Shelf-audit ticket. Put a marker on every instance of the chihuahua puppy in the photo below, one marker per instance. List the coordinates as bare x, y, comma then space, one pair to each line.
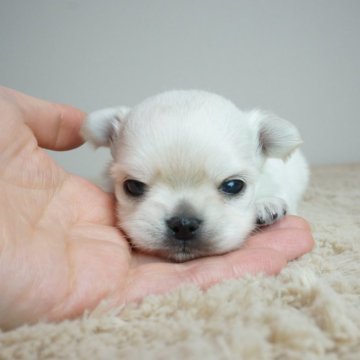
193, 175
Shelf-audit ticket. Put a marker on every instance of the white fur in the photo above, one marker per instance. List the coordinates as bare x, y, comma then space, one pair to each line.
183, 145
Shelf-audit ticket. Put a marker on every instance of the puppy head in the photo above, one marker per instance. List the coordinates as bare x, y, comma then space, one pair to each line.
185, 167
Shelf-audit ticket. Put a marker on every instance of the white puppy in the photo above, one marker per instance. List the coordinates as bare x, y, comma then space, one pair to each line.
193, 175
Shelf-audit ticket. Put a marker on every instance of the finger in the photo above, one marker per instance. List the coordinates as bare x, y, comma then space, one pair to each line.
55, 126
289, 221
291, 242
161, 278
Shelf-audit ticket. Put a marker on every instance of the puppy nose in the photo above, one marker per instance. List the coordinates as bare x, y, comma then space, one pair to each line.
183, 228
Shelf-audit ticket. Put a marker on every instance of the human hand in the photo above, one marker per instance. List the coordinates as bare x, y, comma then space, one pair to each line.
60, 252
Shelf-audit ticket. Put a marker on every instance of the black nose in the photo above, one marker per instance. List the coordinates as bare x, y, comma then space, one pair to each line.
183, 228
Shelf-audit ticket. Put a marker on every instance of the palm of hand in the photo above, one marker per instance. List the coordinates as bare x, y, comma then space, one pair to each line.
59, 243
60, 252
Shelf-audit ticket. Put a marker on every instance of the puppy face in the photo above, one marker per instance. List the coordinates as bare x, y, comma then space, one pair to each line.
185, 171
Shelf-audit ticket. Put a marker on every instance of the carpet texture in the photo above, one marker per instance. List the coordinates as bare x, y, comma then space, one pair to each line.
310, 311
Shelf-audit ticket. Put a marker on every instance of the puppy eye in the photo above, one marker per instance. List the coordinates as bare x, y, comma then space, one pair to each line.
134, 188
232, 187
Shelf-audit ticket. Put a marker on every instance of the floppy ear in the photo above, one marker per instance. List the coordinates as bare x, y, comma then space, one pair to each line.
275, 137
102, 126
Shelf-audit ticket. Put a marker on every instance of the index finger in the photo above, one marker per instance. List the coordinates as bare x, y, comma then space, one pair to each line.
291, 236
158, 278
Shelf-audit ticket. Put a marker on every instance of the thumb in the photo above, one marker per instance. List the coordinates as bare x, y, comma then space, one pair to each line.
55, 126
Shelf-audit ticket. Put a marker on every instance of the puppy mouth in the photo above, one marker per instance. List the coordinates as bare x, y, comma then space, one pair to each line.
183, 250
180, 252
181, 255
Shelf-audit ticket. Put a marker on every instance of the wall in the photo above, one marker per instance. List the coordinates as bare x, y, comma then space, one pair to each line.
299, 59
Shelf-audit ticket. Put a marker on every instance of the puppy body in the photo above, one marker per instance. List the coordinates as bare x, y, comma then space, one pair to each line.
193, 175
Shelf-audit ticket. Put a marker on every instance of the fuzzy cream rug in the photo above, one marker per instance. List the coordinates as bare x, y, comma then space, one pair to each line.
310, 311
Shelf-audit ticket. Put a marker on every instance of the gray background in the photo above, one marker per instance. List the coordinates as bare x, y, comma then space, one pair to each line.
299, 59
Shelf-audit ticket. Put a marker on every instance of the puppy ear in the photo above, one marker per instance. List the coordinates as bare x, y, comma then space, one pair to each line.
102, 126
275, 137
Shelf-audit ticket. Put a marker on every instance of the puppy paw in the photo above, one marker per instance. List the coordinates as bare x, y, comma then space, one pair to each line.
269, 210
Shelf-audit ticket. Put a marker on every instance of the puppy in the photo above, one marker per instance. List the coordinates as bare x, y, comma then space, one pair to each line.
193, 175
